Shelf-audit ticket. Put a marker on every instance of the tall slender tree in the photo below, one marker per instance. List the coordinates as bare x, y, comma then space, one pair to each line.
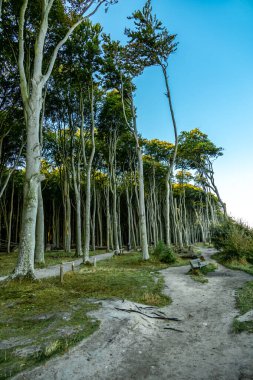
32, 87
150, 44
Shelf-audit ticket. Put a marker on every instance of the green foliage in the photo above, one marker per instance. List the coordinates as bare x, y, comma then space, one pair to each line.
235, 239
164, 253
150, 42
244, 302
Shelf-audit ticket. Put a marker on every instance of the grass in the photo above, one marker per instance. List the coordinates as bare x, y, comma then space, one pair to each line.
199, 275
9, 260
244, 302
39, 319
42, 318
242, 264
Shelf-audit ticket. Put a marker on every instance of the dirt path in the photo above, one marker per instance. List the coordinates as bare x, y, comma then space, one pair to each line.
54, 270
131, 346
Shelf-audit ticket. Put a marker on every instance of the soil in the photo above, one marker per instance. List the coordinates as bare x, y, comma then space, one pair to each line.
133, 346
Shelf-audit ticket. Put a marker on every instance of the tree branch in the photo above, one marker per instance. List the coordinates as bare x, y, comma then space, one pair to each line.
21, 52
62, 42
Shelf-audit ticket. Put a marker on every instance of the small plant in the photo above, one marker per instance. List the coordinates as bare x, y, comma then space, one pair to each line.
164, 253
234, 239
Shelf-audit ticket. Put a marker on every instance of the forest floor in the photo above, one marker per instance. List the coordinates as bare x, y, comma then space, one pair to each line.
130, 345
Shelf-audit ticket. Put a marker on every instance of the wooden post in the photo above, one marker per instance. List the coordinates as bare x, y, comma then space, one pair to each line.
73, 267
61, 273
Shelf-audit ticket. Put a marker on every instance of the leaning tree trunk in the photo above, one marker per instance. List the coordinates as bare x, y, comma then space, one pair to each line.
171, 164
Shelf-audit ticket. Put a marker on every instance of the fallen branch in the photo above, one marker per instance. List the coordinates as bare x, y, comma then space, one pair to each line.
172, 328
148, 316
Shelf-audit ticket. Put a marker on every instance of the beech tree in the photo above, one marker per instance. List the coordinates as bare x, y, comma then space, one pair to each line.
32, 87
150, 44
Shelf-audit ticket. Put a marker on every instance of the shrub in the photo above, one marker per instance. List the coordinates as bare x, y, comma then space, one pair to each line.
235, 239
164, 253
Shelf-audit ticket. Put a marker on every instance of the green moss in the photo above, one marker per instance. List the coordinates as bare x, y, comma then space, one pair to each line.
39, 319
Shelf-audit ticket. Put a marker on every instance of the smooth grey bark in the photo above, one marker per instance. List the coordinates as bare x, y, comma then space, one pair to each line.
172, 163
40, 233
67, 216
113, 185
88, 180
99, 213
94, 219
142, 212
108, 216
77, 192
31, 92
10, 219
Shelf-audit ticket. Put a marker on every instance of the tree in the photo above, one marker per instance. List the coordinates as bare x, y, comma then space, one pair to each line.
150, 44
32, 87
197, 151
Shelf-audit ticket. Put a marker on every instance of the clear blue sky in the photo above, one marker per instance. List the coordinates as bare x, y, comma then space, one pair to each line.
211, 77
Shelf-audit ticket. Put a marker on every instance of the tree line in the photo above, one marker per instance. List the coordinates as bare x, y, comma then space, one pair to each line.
74, 170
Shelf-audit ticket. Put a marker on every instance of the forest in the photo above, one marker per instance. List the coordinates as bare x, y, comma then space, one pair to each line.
75, 173
103, 230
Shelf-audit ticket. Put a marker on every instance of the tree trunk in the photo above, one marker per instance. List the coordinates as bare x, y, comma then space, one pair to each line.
143, 227
40, 234
25, 265
10, 219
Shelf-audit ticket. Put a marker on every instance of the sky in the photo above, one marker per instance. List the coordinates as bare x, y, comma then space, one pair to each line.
211, 80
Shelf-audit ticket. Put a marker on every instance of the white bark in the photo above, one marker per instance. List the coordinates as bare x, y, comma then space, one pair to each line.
88, 183
32, 101
40, 239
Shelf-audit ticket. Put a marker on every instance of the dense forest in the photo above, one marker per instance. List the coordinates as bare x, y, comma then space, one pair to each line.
75, 173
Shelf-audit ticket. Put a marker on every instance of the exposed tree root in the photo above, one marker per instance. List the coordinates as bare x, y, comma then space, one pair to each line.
156, 316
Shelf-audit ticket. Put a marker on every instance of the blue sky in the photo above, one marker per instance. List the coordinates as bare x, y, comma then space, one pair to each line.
211, 79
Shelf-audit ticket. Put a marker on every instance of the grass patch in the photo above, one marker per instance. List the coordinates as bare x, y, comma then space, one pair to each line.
39, 319
199, 275
8, 260
244, 302
42, 318
241, 264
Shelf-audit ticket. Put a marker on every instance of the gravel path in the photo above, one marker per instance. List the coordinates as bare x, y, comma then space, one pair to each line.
54, 270
131, 346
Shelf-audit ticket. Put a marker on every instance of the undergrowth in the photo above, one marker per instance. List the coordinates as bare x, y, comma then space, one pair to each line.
235, 264
244, 302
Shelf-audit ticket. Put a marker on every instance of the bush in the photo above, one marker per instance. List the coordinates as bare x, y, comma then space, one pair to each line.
235, 239
164, 253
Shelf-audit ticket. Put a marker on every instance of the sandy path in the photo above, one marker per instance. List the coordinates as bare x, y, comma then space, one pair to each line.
54, 270
130, 346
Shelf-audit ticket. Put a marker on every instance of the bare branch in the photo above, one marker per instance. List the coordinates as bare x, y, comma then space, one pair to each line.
62, 42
